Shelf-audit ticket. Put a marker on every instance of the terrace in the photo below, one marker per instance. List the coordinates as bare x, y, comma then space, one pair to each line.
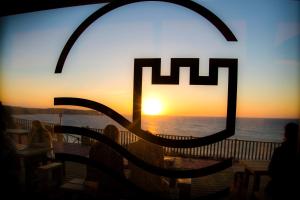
236, 182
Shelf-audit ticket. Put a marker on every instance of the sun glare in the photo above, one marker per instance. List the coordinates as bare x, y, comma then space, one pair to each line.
152, 106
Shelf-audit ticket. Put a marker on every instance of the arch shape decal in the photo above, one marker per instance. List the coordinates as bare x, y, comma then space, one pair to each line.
195, 79
193, 6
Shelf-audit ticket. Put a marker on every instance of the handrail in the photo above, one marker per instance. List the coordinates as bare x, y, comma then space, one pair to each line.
228, 148
27, 124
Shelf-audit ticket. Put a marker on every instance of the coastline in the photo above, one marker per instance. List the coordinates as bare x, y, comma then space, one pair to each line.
254, 129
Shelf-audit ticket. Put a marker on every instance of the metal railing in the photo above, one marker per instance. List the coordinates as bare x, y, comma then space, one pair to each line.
229, 148
27, 124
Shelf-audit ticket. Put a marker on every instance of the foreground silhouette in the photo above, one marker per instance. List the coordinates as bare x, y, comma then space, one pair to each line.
9, 162
107, 186
284, 167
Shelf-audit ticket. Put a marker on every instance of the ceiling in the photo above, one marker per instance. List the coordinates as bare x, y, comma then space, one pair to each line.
11, 7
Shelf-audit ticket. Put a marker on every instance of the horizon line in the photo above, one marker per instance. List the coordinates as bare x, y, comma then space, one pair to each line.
165, 115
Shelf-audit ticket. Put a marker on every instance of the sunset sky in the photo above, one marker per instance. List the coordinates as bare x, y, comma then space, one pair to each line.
100, 64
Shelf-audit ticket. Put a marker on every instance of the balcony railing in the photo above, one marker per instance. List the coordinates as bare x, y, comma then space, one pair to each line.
229, 148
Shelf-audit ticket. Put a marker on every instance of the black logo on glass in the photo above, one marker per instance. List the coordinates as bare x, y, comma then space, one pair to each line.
157, 78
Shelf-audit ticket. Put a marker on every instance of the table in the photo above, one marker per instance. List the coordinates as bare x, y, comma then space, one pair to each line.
19, 133
71, 148
184, 185
29, 158
257, 168
26, 152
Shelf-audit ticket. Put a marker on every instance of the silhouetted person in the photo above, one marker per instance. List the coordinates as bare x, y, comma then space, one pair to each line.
284, 167
154, 155
107, 186
9, 162
40, 137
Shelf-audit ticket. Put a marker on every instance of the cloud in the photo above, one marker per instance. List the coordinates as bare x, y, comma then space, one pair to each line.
286, 31
288, 62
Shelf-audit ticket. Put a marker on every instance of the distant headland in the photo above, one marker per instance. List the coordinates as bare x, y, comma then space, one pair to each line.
29, 111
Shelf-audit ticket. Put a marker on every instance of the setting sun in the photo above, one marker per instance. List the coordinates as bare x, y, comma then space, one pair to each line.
152, 106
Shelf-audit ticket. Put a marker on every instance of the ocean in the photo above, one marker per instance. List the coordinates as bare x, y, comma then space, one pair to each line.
256, 129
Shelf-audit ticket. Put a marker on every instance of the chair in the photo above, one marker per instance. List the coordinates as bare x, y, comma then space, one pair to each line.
52, 174
78, 188
106, 185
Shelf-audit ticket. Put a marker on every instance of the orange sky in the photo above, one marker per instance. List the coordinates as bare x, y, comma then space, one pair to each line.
100, 64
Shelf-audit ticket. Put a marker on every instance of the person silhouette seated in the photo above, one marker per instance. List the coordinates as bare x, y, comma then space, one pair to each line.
154, 155
284, 167
107, 186
39, 137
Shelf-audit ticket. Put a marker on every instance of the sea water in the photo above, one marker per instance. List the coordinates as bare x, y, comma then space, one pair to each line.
257, 129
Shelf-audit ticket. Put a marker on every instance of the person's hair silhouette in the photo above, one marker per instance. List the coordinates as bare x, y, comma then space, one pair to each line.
291, 133
284, 166
41, 137
111, 132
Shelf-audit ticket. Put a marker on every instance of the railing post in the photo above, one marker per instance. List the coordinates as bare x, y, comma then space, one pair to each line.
234, 152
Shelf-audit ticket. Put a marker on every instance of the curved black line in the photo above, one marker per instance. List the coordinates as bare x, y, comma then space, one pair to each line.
104, 168
211, 17
175, 173
127, 183
195, 142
